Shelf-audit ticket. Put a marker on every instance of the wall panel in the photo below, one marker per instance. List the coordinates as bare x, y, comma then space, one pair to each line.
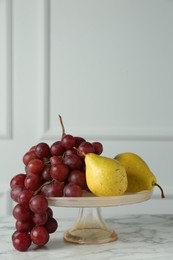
105, 73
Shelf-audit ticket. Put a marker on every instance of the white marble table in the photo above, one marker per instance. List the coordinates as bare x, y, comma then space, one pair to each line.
140, 238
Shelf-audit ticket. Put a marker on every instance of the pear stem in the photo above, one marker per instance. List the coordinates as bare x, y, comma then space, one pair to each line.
63, 128
162, 192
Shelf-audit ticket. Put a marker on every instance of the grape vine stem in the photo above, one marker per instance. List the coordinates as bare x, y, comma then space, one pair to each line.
63, 128
44, 184
79, 151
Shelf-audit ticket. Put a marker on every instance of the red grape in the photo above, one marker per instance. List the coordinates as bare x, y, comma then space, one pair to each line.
24, 226
28, 157
73, 161
54, 160
86, 147
49, 212
16, 191
32, 182
59, 172
39, 235
98, 147
42, 150
21, 212
40, 218
79, 140
78, 177
15, 233
70, 151
72, 190
17, 180
25, 196
38, 204
35, 166
46, 173
68, 141
53, 189
51, 225
21, 241
57, 148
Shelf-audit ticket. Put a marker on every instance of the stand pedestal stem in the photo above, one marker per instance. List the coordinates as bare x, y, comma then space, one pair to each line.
90, 228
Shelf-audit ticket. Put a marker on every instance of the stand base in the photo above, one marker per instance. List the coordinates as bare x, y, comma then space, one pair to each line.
90, 228
93, 236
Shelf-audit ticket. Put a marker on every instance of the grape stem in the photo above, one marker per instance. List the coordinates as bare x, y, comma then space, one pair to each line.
44, 184
79, 151
63, 128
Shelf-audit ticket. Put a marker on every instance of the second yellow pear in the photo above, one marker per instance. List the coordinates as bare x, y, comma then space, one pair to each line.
139, 174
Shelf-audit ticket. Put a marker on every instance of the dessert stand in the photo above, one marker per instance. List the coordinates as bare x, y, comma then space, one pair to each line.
90, 227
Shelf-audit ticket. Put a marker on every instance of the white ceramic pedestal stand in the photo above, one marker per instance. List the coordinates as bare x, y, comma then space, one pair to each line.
90, 227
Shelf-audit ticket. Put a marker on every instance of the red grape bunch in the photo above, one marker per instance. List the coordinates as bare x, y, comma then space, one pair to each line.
50, 171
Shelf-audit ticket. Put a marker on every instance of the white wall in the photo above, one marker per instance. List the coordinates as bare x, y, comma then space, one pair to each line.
104, 65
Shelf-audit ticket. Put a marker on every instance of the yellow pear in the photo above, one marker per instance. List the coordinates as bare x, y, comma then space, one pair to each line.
105, 176
139, 175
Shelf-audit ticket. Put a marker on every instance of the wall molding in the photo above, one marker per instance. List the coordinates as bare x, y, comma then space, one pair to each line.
137, 134
6, 126
44, 67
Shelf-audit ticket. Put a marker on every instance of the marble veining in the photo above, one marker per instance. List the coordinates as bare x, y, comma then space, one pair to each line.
140, 237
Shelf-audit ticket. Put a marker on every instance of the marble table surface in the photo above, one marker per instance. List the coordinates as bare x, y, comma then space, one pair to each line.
140, 237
